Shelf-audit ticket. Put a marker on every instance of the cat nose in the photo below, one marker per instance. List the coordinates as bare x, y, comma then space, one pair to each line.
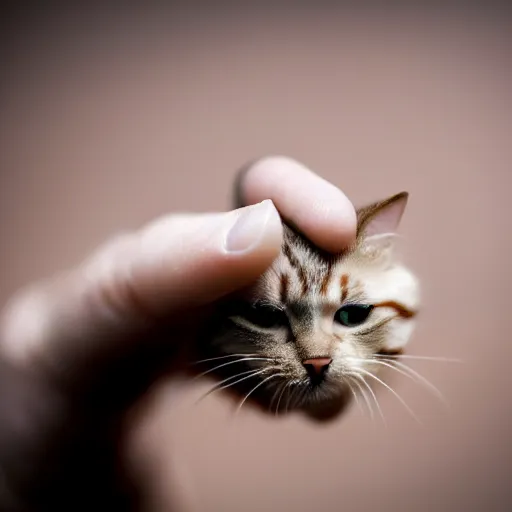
317, 366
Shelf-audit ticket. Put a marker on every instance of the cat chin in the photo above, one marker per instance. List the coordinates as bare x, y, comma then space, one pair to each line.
327, 412
328, 408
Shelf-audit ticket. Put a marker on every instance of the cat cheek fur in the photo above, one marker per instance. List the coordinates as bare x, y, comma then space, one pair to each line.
397, 290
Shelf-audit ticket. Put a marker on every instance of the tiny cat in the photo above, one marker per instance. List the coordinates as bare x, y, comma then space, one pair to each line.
314, 330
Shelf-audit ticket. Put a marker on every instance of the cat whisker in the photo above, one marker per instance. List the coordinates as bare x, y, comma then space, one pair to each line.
286, 385
398, 397
300, 396
374, 396
224, 357
274, 395
353, 392
232, 362
279, 388
219, 386
413, 375
299, 391
291, 395
420, 358
365, 397
256, 387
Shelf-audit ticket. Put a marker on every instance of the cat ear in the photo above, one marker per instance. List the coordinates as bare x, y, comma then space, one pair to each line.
380, 220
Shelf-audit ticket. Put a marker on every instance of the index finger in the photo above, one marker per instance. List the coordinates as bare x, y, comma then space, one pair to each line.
314, 206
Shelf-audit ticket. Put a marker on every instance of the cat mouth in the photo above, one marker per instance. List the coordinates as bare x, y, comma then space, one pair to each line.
317, 381
324, 401
321, 388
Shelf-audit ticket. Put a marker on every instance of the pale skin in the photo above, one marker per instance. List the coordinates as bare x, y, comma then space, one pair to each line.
77, 350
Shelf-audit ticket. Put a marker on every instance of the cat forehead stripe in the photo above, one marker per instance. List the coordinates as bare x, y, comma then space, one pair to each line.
294, 262
344, 287
327, 277
285, 281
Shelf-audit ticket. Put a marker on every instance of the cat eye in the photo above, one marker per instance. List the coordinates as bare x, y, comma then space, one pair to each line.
353, 315
265, 315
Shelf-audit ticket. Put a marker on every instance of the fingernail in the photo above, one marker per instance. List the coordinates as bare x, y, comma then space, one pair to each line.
249, 227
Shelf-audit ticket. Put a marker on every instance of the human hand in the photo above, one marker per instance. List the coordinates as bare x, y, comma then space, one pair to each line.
78, 350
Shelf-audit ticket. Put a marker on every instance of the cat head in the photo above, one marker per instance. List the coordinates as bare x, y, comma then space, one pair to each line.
309, 333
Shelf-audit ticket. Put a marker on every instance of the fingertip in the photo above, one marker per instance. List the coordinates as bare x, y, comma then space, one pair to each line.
256, 228
250, 245
310, 203
330, 218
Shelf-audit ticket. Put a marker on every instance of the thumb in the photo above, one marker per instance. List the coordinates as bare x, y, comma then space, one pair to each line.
133, 283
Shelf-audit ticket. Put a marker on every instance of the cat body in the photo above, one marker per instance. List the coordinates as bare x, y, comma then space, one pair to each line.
315, 329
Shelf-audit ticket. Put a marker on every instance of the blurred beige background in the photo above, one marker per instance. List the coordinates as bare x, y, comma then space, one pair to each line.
109, 119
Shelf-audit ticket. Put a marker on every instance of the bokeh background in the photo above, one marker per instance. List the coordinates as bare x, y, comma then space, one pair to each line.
109, 117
